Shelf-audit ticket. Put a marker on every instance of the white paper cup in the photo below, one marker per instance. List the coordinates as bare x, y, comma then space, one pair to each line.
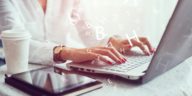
16, 48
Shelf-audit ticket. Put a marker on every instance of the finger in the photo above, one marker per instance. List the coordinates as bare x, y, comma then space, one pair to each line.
124, 49
107, 53
104, 59
146, 42
127, 47
85, 56
125, 41
100, 57
119, 55
116, 53
82, 56
141, 46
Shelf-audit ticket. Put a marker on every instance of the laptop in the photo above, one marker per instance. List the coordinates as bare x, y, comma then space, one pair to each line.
174, 48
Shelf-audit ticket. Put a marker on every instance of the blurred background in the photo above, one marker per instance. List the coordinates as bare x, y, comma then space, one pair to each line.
145, 17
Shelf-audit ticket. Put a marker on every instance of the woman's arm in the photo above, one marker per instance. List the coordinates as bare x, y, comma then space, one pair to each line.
42, 52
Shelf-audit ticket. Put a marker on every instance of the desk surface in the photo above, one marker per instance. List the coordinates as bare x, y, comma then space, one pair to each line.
176, 82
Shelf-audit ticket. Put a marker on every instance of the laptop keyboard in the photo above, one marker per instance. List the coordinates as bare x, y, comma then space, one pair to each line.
131, 63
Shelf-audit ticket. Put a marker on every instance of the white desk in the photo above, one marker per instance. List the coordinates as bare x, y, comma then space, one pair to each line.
177, 82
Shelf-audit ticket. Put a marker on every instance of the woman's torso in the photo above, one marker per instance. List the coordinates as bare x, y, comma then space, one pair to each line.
53, 25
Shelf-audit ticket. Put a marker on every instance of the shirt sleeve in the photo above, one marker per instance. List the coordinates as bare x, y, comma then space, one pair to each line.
88, 34
39, 52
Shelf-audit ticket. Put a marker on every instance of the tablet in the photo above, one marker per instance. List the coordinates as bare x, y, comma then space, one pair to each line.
48, 82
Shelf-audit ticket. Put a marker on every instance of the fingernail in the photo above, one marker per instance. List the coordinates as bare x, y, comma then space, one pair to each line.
109, 62
129, 46
119, 62
148, 54
124, 59
154, 50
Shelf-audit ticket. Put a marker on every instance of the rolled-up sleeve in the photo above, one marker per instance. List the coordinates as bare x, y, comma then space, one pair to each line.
41, 52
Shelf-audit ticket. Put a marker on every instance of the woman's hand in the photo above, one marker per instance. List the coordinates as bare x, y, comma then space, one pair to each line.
89, 54
124, 45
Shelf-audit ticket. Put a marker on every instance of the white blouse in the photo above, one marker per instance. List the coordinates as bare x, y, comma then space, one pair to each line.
47, 30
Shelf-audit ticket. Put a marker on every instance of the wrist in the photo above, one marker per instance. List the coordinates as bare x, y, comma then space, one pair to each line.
65, 53
57, 54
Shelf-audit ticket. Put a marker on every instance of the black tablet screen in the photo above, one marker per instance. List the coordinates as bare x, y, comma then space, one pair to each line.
53, 82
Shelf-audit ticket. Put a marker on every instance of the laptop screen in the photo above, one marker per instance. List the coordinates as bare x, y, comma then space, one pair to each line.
175, 45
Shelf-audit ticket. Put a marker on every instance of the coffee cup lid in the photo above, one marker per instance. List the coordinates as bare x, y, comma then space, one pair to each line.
15, 34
